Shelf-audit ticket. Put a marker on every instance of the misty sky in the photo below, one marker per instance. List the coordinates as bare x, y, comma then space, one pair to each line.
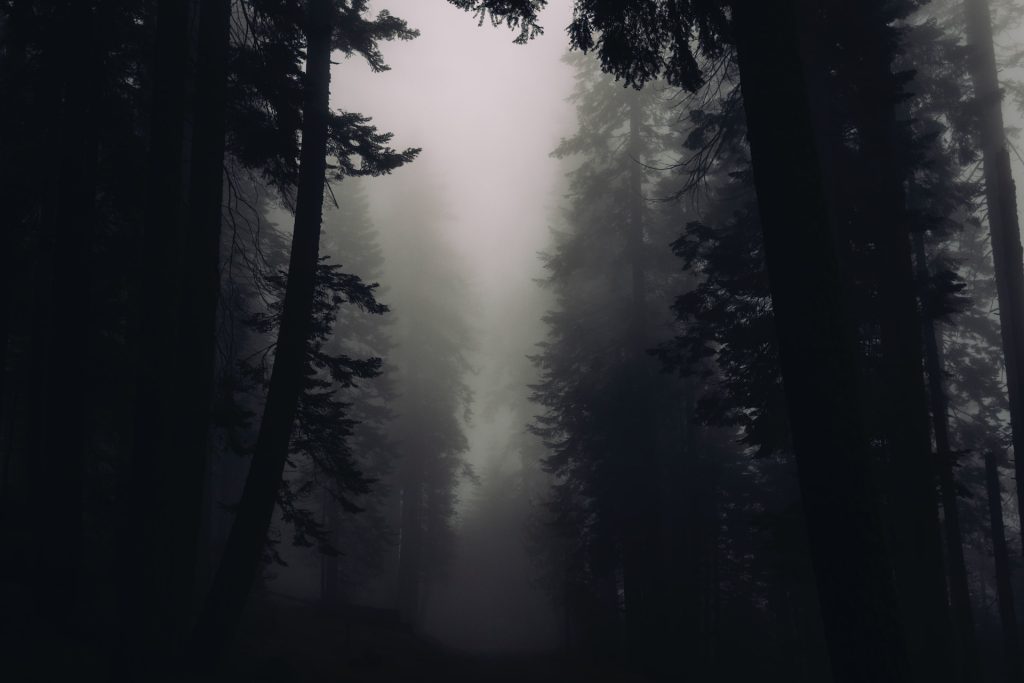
487, 113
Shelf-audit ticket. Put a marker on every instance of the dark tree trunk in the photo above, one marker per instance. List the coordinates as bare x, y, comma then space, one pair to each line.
197, 309
692, 517
969, 664
65, 418
1004, 580
603, 613
1004, 225
330, 593
147, 606
17, 178
817, 349
13, 65
912, 506
245, 545
641, 559
7, 248
411, 550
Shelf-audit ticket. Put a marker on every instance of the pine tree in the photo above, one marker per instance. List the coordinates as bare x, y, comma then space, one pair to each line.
362, 540
811, 245
326, 28
1004, 224
610, 420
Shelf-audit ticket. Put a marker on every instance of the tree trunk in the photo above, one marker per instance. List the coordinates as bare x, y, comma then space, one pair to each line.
330, 592
411, 551
641, 557
969, 664
146, 621
817, 349
65, 419
603, 559
1004, 225
176, 319
912, 507
1004, 580
12, 63
197, 309
245, 545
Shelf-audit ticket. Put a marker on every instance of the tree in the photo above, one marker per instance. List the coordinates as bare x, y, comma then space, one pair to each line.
156, 328
362, 540
816, 338
816, 354
1011, 642
728, 312
327, 27
1004, 224
619, 434
72, 65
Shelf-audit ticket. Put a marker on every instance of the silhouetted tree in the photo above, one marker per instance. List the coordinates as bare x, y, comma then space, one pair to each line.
1004, 224
327, 27
612, 423
361, 540
802, 217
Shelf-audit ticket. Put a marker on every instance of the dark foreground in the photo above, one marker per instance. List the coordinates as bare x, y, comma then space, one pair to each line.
299, 643
286, 642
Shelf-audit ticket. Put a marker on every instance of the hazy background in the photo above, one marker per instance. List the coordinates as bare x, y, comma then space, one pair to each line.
487, 113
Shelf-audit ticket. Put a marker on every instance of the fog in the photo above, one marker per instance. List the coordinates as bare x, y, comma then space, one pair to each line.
487, 113
511, 340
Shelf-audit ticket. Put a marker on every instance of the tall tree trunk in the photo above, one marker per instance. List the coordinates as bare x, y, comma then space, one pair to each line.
1004, 580
642, 532
12, 64
65, 407
245, 545
18, 117
969, 664
410, 557
330, 590
912, 506
176, 318
1004, 224
817, 349
691, 516
146, 603
604, 562
197, 310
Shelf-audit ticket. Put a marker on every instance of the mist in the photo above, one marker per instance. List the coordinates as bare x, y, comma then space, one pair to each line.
511, 340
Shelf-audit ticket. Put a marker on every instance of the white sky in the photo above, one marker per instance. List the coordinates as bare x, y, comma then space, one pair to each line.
487, 113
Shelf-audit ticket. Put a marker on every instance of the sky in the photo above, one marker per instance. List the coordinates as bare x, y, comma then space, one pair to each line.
487, 113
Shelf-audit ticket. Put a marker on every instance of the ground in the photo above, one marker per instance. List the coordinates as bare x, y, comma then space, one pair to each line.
290, 642
300, 643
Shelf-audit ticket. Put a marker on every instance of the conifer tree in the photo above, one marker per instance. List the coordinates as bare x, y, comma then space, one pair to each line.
608, 416
326, 27
1003, 220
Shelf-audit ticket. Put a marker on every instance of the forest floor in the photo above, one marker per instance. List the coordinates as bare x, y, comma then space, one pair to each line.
300, 644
